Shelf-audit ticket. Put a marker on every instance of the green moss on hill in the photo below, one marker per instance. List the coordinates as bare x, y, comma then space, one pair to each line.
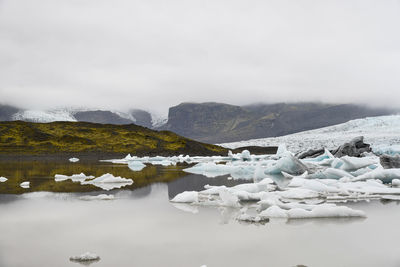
26, 138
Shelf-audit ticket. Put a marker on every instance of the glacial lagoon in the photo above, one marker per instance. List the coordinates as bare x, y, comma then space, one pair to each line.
49, 222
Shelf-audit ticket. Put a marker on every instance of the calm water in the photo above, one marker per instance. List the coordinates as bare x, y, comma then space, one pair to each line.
142, 228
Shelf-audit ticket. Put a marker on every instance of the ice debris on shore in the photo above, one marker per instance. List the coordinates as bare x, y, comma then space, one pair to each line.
85, 257
3, 179
106, 181
25, 185
73, 159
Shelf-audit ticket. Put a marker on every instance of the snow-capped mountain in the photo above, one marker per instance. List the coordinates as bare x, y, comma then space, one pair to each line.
44, 116
377, 131
139, 117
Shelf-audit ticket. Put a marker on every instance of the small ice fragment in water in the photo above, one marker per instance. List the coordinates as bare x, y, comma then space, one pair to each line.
136, 165
3, 179
85, 257
108, 181
395, 182
25, 185
73, 159
186, 197
75, 177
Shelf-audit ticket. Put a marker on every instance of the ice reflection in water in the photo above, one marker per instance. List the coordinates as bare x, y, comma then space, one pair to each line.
141, 228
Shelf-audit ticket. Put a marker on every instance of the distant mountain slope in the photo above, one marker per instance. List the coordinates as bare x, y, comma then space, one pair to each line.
6, 112
382, 130
101, 116
27, 138
218, 123
136, 116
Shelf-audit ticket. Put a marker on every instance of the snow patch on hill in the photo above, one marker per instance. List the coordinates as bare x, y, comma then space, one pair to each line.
158, 120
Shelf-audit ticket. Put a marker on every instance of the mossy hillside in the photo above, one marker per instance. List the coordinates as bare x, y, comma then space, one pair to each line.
28, 138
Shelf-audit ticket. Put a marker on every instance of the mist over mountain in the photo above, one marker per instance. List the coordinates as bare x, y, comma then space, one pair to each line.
214, 122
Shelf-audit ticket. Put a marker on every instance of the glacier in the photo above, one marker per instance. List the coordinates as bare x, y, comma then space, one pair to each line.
381, 132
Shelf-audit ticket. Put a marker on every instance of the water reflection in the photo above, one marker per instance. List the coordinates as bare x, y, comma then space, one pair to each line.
41, 175
196, 182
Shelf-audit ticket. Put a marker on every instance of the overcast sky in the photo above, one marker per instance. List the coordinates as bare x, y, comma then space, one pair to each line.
153, 54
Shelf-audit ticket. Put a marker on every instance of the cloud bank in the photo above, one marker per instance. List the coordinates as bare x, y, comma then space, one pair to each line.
153, 53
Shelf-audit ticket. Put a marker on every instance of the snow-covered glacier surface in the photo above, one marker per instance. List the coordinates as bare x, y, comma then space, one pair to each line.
377, 131
44, 116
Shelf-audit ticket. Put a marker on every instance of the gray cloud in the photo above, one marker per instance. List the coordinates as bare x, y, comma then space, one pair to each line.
153, 54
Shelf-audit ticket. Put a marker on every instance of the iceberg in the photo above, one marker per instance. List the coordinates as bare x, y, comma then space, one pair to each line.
245, 155
299, 193
136, 165
186, 197
228, 199
74, 178
383, 149
396, 182
288, 164
211, 169
25, 185
353, 163
108, 182
73, 159
317, 212
379, 173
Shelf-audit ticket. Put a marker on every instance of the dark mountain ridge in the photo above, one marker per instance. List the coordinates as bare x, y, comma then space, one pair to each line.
218, 122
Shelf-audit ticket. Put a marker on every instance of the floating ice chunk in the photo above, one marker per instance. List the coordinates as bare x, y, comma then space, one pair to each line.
98, 197
25, 185
136, 165
379, 173
391, 150
391, 197
299, 193
129, 157
75, 177
353, 163
228, 199
331, 173
320, 211
325, 212
288, 164
287, 175
108, 181
3, 179
245, 155
312, 184
396, 182
242, 172
85, 257
73, 159
274, 212
186, 197
363, 170
211, 169
264, 185
281, 150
